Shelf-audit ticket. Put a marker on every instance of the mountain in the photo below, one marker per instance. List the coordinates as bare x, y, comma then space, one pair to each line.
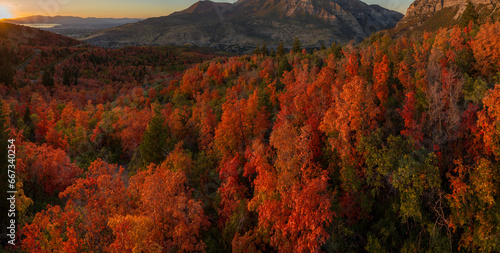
11, 34
242, 25
433, 14
75, 27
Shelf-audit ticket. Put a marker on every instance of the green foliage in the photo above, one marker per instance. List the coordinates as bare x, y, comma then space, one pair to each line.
297, 46
257, 50
261, 50
47, 79
281, 49
396, 164
67, 78
469, 14
385, 189
6, 71
475, 207
264, 50
153, 148
29, 127
412, 175
474, 89
336, 50
440, 19
284, 65
322, 47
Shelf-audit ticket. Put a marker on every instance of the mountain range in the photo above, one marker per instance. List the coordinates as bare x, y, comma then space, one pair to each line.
241, 26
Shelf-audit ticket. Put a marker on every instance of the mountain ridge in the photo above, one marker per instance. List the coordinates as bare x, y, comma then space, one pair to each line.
422, 14
244, 24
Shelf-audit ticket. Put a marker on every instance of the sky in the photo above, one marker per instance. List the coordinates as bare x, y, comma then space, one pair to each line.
124, 8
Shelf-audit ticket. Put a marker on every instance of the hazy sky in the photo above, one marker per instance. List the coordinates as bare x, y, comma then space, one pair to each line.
124, 8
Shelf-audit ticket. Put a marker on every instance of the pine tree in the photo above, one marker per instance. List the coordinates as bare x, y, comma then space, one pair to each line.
470, 14
154, 141
67, 77
281, 49
257, 50
264, 49
47, 79
6, 71
29, 127
336, 50
283, 66
297, 46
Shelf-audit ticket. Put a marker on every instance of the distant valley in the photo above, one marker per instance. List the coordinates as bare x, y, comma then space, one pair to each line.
74, 27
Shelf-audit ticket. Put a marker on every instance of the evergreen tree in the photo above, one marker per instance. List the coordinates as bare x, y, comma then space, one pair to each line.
283, 66
272, 53
154, 142
470, 14
29, 127
47, 79
67, 77
264, 49
322, 47
257, 50
6, 71
336, 50
297, 46
281, 49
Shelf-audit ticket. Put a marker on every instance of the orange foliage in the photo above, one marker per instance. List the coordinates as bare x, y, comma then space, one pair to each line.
486, 47
351, 116
102, 193
175, 219
381, 76
489, 121
48, 166
53, 230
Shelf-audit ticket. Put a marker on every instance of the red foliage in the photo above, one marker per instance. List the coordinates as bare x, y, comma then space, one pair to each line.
47, 166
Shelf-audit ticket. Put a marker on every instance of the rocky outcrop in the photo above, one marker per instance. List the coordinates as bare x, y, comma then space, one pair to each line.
421, 10
244, 24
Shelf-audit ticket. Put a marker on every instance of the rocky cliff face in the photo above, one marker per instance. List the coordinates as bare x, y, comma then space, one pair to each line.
240, 26
422, 10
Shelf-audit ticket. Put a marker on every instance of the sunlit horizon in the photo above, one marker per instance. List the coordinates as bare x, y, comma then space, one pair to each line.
124, 8
4, 13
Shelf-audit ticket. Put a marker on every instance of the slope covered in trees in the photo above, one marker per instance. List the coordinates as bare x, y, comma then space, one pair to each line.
387, 146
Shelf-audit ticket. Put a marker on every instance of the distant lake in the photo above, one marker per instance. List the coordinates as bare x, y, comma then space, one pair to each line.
40, 25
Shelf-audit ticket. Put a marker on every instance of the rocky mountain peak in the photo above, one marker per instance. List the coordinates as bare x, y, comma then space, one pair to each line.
242, 25
422, 10
320, 8
203, 7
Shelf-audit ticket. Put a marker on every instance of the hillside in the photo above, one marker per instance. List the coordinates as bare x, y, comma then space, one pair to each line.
431, 15
391, 145
22, 35
241, 26
20, 45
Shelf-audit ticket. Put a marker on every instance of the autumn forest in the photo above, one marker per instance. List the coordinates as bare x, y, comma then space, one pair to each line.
389, 145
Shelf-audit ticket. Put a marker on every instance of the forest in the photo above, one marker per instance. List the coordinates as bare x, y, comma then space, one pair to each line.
390, 145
